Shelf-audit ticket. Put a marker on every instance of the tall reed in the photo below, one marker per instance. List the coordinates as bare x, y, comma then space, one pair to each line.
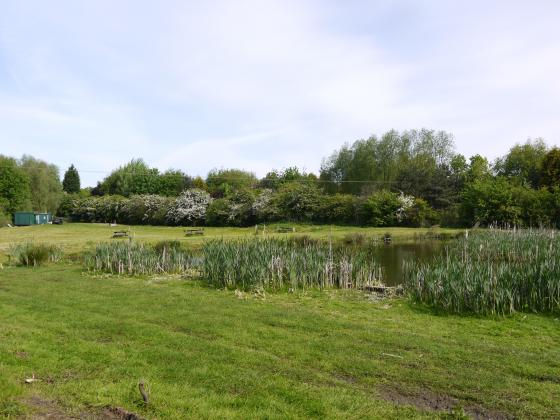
138, 258
492, 272
32, 254
284, 263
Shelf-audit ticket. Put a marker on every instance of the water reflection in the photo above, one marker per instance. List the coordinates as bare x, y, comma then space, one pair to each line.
391, 257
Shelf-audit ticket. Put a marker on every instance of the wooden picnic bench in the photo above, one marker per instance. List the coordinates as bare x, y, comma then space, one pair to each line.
285, 229
193, 232
120, 234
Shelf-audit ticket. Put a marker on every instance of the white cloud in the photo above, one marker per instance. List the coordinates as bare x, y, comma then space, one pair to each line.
263, 84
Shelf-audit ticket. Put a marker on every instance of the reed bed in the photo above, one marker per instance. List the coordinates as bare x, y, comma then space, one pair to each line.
32, 254
284, 263
492, 272
138, 258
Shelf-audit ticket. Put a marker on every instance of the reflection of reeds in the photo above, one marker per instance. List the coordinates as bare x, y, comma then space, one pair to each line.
281, 263
492, 272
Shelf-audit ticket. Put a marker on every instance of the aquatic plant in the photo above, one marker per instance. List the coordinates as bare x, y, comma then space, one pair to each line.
285, 263
138, 258
32, 254
491, 272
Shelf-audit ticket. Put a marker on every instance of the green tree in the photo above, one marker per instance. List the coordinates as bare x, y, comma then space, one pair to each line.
97, 191
44, 183
421, 214
172, 182
14, 187
423, 177
537, 207
134, 178
275, 178
523, 162
226, 181
336, 208
380, 209
297, 201
199, 183
71, 182
459, 168
67, 205
550, 175
479, 169
376, 163
490, 200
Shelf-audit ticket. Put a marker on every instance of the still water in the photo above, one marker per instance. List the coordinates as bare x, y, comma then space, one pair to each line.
392, 256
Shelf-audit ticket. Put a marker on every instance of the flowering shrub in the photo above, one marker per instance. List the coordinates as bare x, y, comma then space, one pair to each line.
262, 206
291, 202
235, 210
189, 208
95, 209
148, 209
407, 203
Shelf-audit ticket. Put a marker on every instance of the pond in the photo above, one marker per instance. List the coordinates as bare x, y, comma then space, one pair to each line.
392, 256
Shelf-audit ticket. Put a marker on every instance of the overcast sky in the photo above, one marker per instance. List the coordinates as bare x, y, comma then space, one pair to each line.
196, 85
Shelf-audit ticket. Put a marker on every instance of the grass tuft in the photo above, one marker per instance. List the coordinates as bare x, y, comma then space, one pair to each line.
31, 254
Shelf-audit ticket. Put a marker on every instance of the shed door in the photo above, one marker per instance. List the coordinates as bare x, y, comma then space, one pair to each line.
37, 219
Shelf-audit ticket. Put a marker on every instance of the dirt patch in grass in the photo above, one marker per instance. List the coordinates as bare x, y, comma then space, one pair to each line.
42, 409
429, 401
119, 413
45, 409
344, 377
21, 354
545, 378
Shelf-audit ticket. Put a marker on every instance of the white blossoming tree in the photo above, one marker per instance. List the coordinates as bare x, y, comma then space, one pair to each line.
189, 208
263, 208
406, 203
145, 209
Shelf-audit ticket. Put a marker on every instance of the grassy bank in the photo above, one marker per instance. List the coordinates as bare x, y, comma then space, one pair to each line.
207, 353
74, 237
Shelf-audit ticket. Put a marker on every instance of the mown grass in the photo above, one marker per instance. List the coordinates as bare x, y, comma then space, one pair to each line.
208, 353
75, 237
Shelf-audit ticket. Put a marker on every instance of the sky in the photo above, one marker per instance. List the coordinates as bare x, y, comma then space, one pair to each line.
256, 85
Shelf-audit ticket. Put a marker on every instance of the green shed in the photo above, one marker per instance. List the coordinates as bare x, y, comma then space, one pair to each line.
24, 218
28, 218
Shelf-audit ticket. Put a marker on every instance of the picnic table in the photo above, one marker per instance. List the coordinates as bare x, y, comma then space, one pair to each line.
285, 229
120, 234
193, 232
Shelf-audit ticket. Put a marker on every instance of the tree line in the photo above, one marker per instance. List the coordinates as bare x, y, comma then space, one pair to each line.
410, 178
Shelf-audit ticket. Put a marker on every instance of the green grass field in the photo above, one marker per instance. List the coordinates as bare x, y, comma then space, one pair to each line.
73, 237
207, 353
